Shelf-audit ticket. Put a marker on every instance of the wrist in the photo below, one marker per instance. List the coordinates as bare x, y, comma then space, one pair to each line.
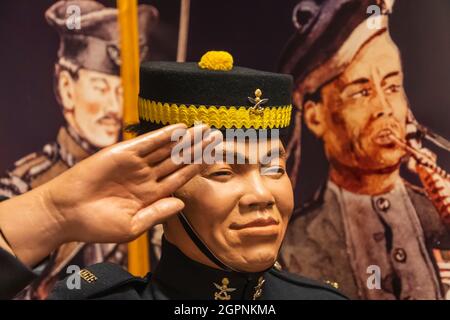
31, 226
55, 224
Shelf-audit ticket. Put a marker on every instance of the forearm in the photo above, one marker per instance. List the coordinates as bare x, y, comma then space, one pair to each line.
30, 227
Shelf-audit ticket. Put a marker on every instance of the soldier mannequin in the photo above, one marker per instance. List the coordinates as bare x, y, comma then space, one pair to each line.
224, 243
366, 215
88, 87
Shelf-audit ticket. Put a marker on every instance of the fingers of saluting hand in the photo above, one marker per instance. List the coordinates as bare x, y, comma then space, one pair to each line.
149, 142
155, 213
191, 152
160, 154
184, 137
180, 174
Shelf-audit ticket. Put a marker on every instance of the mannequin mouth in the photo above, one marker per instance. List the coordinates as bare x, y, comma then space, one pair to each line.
260, 226
256, 223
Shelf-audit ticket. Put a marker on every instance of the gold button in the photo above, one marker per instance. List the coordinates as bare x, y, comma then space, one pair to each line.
332, 283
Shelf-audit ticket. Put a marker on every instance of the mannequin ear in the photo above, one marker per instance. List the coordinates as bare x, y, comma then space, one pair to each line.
314, 117
66, 90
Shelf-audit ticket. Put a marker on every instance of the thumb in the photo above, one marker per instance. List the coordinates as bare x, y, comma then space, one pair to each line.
155, 213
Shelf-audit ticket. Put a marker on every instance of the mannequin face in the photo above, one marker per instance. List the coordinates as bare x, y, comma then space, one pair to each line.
93, 105
240, 211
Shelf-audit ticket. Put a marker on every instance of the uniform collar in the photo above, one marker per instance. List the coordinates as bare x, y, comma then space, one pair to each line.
179, 277
73, 148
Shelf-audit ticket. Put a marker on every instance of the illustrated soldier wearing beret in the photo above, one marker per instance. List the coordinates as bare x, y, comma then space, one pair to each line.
367, 230
88, 88
223, 244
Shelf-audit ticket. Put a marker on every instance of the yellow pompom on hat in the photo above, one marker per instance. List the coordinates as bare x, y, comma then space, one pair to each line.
216, 60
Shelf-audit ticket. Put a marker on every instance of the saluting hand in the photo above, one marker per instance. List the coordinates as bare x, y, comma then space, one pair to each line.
113, 196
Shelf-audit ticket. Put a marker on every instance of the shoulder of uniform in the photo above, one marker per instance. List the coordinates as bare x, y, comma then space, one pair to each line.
17, 180
422, 202
326, 290
36, 162
314, 202
309, 210
94, 281
413, 188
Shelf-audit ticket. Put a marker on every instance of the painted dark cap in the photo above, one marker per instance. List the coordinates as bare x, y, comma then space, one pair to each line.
89, 34
329, 34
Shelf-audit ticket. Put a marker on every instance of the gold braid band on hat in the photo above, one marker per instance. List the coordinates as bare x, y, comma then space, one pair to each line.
219, 117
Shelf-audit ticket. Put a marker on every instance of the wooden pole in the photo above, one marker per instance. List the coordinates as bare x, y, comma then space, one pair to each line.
183, 30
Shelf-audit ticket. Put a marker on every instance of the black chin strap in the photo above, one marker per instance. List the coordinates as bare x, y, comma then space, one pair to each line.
200, 244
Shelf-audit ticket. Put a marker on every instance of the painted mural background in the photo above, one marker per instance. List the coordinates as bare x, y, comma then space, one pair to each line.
254, 31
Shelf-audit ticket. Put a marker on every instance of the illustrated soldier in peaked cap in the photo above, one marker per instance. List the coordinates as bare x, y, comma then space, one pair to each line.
88, 88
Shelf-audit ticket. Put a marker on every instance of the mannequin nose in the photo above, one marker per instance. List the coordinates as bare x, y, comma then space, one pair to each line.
257, 196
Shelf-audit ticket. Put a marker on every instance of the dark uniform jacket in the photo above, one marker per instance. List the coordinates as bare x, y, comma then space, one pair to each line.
14, 276
178, 277
315, 245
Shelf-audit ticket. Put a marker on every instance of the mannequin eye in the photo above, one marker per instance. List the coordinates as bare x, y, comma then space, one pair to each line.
275, 171
221, 173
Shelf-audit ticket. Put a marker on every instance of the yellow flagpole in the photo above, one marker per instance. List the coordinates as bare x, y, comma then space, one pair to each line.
138, 250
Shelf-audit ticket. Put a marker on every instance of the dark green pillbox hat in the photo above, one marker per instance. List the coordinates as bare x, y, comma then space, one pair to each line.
214, 92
